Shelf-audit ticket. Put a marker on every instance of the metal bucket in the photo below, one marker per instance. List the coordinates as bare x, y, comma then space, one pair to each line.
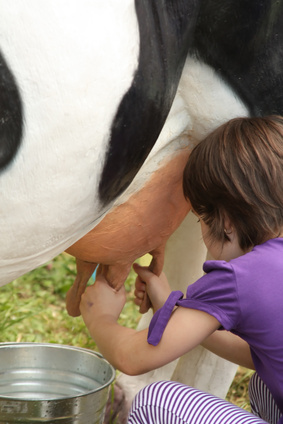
51, 383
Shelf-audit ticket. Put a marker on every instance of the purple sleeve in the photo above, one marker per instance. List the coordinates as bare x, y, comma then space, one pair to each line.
161, 317
214, 293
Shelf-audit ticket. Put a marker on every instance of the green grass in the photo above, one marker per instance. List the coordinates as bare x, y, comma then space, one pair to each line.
32, 309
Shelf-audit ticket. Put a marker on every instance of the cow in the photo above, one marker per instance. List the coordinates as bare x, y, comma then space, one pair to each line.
100, 106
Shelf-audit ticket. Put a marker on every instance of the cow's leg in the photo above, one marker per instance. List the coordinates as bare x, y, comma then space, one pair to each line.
184, 256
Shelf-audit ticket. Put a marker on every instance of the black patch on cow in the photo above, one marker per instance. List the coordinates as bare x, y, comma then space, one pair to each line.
165, 28
11, 119
243, 41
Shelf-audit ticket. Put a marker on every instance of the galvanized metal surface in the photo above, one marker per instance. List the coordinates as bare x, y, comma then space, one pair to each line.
50, 383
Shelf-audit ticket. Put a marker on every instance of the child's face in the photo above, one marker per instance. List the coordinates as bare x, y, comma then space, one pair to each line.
219, 251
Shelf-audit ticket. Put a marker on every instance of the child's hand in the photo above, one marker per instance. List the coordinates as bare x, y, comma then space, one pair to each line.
157, 288
100, 300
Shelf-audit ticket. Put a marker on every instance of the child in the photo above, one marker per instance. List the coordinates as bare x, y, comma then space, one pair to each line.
234, 181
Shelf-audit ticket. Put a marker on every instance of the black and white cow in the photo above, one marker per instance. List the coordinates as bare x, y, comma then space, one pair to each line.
100, 103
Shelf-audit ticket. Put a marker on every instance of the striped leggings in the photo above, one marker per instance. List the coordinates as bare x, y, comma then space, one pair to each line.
168, 402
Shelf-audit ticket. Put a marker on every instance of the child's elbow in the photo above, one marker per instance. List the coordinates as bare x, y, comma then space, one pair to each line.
131, 366
132, 356
130, 369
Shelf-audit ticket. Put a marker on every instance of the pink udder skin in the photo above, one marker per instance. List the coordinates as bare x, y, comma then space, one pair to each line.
141, 225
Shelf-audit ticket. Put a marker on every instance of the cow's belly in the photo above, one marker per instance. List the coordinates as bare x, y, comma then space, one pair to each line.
70, 91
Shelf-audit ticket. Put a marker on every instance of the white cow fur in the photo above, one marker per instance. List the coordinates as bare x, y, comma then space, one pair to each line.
67, 83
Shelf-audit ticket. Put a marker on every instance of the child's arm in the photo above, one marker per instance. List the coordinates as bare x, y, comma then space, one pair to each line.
222, 343
127, 349
231, 347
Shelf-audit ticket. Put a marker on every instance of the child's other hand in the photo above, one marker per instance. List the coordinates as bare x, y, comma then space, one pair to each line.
100, 300
157, 288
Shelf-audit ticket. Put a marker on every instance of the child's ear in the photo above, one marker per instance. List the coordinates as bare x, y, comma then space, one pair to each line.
229, 229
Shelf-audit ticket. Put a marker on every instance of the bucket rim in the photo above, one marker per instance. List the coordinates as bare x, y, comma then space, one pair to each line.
67, 347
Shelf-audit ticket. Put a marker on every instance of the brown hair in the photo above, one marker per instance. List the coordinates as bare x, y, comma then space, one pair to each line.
237, 172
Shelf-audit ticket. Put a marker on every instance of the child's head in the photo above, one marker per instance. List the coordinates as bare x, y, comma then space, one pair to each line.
237, 173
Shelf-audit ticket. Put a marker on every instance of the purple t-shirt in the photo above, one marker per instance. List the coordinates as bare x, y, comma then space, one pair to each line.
246, 296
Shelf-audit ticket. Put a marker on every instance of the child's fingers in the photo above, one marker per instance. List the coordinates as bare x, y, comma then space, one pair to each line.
144, 273
145, 304
137, 301
144, 277
139, 285
139, 294
139, 291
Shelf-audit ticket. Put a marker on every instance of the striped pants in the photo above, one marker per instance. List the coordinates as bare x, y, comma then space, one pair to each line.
168, 402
